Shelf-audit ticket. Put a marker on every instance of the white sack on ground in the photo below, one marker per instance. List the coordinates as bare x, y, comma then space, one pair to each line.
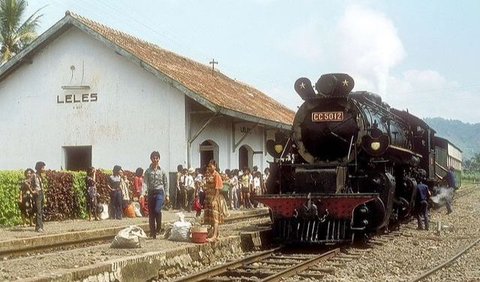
129, 237
104, 213
180, 229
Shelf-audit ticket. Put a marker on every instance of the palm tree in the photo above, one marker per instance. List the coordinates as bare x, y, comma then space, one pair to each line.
15, 35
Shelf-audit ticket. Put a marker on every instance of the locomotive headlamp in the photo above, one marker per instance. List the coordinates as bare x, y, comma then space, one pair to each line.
278, 148
375, 145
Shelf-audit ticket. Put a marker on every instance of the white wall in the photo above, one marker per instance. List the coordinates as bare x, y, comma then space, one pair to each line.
220, 132
135, 112
454, 157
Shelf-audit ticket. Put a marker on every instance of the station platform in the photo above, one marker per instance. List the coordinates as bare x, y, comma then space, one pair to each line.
81, 227
78, 225
157, 258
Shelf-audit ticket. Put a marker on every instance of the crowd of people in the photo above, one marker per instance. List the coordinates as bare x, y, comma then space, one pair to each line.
238, 187
207, 190
198, 190
217, 192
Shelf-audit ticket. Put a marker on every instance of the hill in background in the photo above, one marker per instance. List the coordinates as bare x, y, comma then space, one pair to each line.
465, 136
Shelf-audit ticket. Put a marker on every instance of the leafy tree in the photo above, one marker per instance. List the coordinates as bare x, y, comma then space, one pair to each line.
476, 162
15, 35
473, 164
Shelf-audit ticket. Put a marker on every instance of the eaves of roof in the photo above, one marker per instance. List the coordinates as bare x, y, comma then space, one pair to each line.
215, 91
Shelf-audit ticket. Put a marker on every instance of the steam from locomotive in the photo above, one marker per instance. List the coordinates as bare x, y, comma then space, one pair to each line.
349, 167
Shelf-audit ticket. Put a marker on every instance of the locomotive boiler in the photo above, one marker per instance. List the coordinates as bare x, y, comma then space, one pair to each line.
348, 167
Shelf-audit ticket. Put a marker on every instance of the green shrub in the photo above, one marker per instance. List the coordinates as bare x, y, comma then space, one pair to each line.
65, 194
471, 176
79, 187
9, 194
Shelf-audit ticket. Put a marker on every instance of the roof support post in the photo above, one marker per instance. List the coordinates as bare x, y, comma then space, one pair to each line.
191, 139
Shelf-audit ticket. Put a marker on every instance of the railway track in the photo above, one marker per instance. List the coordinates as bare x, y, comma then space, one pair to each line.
447, 262
38, 245
271, 265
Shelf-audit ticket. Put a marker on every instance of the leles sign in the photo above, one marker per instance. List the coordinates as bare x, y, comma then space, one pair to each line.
77, 98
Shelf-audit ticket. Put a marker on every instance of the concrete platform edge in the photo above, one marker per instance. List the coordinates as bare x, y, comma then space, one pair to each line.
155, 264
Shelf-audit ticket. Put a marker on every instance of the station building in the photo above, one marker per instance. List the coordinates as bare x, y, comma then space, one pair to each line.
84, 94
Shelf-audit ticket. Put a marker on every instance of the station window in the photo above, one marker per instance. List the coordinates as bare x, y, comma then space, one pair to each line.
78, 157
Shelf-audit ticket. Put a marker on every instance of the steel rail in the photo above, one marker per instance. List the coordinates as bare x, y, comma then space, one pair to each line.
301, 266
290, 271
224, 267
438, 267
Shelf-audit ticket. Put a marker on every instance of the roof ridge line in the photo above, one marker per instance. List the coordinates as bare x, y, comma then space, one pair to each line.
85, 19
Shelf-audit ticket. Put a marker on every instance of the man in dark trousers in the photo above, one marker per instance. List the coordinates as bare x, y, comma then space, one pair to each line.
423, 195
37, 185
157, 189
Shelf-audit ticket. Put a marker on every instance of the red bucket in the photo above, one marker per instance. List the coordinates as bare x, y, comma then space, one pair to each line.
199, 234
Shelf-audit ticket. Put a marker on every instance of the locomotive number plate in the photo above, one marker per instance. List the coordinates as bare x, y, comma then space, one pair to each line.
327, 116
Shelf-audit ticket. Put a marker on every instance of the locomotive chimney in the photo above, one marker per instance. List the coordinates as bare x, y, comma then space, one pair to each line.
335, 84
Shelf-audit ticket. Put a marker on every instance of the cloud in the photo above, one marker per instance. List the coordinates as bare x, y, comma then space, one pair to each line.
368, 46
364, 43
426, 93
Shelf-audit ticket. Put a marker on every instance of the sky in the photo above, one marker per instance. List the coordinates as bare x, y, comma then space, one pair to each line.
420, 56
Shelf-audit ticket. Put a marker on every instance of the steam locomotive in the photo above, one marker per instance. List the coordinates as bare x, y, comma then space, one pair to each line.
350, 166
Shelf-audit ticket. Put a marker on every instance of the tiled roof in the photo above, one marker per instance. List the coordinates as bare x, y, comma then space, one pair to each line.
216, 88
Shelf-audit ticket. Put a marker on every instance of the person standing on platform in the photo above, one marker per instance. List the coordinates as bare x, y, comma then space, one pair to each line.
246, 186
190, 189
176, 195
266, 174
116, 192
38, 196
92, 194
125, 188
182, 194
256, 188
25, 201
213, 214
138, 191
199, 192
138, 183
157, 188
